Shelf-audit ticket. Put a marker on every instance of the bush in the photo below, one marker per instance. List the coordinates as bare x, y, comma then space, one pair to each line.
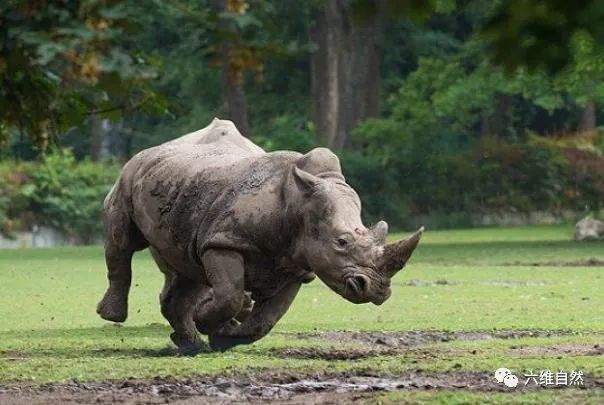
12, 213
57, 192
415, 176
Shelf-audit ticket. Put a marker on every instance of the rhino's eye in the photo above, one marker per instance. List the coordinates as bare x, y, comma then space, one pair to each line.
343, 242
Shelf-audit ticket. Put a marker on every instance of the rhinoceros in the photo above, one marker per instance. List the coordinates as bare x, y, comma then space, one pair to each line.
236, 231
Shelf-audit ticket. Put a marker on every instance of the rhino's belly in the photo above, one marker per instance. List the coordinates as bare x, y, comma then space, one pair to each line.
264, 278
179, 261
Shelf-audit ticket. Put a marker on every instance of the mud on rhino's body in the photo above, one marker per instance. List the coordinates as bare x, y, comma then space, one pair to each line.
236, 231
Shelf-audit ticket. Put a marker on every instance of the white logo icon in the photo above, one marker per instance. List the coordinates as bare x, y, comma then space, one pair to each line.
504, 375
501, 373
510, 380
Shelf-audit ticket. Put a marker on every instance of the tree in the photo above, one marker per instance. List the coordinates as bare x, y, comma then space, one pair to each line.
234, 59
60, 62
345, 71
582, 79
538, 34
558, 37
240, 36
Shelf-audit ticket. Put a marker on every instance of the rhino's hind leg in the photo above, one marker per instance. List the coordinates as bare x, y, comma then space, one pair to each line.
114, 305
179, 299
122, 239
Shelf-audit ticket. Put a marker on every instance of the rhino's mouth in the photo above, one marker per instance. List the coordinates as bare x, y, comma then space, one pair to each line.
358, 289
356, 285
380, 299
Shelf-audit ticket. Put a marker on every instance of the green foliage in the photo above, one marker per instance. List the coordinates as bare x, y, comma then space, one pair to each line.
252, 33
58, 192
6, 225
287, 133
583, 78
187, 37
427, 176
59, 61
537, 34
453, 137
449, 94
13, 176
418, 10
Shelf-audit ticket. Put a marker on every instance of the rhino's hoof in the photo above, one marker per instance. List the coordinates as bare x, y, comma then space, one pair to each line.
112, 310
223, 343
187, 347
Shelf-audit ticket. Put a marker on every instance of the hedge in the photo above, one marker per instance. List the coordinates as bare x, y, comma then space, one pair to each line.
56, 191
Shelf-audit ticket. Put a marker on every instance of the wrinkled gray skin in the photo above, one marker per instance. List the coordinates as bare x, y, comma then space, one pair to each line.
236, 231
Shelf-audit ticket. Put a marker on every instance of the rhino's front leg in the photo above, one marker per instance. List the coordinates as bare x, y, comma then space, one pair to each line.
225, 273
264, 316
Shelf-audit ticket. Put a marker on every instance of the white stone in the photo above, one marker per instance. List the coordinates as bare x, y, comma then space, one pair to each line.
589, 229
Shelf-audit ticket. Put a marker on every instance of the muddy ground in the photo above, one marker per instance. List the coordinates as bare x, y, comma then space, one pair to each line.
304, 387
274, 387
417, 338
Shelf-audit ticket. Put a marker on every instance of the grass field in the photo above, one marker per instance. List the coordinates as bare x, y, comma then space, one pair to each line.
527, 279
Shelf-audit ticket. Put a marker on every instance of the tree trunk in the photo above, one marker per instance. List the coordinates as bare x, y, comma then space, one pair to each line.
499, 123
235, 103
324, 72
345, 72
588, 118
366, 78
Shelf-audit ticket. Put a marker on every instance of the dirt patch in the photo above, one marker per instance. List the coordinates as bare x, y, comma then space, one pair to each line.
13, 355
330, 353
515, 283
564, 350
591, 262
282, 387
418, 338
427, 283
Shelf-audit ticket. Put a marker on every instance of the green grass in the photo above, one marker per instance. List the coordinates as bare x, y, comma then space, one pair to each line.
458, 280
473, 398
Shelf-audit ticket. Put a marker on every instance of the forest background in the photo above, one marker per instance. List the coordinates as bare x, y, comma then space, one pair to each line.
450, 113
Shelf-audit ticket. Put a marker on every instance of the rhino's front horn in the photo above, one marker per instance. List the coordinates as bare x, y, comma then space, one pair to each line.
396, 254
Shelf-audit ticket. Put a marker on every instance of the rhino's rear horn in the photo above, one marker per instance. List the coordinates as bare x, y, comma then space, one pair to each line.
379, 232
396, 254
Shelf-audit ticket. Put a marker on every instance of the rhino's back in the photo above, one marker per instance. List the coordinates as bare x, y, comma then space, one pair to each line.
222, 132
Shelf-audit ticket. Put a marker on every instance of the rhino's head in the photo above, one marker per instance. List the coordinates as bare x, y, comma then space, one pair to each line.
351, 259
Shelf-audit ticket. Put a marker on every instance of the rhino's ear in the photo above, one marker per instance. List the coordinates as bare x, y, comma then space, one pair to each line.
305, 181
320, 160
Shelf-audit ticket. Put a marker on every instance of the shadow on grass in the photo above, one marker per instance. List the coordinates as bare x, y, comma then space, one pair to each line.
107, 330
109, 341
113, 341
78, 353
